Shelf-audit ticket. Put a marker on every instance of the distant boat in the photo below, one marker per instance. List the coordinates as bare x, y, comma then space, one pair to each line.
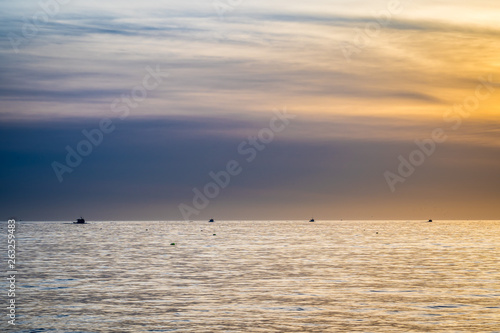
81, 220
211, 220
311, 220
429, 221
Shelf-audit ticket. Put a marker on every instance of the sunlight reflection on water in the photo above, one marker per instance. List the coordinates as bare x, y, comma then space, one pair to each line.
258, 276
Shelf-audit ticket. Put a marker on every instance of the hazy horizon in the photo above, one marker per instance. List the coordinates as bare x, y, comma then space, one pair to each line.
87, 221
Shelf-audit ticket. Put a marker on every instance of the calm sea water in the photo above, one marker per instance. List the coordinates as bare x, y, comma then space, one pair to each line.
256, 276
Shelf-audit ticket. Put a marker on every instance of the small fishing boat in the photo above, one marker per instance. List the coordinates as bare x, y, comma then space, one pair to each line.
211, 220
311, 220
81, 220
429, 221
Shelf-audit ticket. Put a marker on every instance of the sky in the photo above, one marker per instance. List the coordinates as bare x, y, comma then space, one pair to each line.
249, 110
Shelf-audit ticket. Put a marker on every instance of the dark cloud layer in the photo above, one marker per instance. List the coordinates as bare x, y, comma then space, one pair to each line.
146, 168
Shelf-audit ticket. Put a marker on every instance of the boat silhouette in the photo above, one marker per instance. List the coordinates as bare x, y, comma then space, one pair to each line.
211, 220
81, 220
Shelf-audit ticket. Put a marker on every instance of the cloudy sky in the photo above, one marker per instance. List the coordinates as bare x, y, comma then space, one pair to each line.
389, 109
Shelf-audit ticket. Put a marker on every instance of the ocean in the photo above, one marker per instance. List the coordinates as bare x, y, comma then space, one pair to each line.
255, 276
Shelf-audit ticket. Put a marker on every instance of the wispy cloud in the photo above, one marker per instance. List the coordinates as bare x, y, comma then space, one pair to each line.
225, 75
